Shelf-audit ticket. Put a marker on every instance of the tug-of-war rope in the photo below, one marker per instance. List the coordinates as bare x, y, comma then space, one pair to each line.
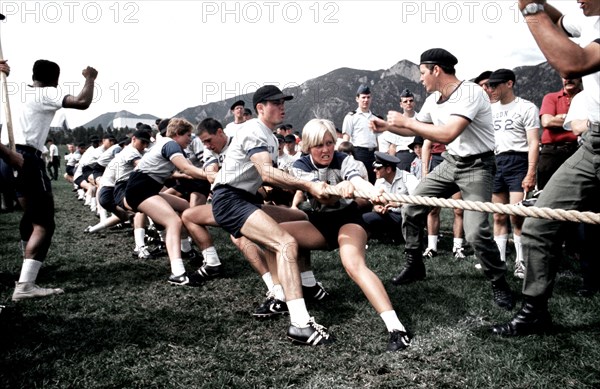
480, 206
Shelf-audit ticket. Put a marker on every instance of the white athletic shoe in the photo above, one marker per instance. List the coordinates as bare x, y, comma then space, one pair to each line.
520, 270
25, 290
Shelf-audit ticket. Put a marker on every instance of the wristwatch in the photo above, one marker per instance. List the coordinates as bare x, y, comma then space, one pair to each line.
532, 8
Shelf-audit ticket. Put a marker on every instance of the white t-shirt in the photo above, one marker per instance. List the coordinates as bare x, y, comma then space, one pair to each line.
512, 121
587, 29
470, 102
388, 138
232, 129
33, 124
238, 170
157, 161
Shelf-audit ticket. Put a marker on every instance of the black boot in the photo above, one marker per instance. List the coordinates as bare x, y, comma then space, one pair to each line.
414, 270
532, 318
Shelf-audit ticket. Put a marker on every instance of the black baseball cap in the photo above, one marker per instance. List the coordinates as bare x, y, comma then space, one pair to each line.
500, 76
237, 104
269, 93
142, 135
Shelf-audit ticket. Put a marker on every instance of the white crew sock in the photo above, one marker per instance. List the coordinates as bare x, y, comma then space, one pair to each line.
211, 257
277, 291
308, 278
185, 245
501, 241
518, 248
457, 243
391, 321
432, 241
30, 270
138, 235
177, 267
299, 316
268, 280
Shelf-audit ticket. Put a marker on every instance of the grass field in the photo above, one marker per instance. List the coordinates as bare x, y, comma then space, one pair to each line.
119, 324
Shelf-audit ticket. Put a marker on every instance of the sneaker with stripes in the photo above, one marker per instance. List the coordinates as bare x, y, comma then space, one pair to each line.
313, 335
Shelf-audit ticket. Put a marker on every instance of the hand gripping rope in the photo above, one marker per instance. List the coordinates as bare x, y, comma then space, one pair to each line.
479, 206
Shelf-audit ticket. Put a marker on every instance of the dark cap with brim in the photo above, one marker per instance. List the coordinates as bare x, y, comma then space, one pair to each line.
269, 93
2, 17
417, 141
290, 139
384, 159
280, 138
237, 104
363, 90
438, 57
501, 75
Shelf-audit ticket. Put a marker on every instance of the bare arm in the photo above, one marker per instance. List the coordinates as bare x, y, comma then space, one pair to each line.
273, 176
401, 125
85, 97
550, 121
579, 126
12, 158
533, 143
564, 55
426, 157
186, 167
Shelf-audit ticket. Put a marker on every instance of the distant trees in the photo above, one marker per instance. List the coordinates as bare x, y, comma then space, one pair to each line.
82, 134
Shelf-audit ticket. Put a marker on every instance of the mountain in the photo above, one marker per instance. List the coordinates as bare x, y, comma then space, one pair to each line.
106, 120
332, 95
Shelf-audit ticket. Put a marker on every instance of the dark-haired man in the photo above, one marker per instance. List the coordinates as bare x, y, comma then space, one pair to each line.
356, 130
237, 207
395, 144
516, 126
237, 109
457, 113
33, 185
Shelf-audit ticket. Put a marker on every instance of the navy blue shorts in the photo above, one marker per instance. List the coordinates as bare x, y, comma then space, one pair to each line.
33, 184
511, 169
329, 223
231, 208
119, 194
70, 170
106, 198
187, 187
140, 187
98, 170
86, 171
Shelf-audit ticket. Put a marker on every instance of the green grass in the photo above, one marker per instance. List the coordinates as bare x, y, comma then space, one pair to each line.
120, 324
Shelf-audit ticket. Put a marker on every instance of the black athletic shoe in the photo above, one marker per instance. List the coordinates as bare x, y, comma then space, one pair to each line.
182, 280
314, 293
191, 255
399, 340
158, 251
271, 308
313, 335
204, 273
503, 296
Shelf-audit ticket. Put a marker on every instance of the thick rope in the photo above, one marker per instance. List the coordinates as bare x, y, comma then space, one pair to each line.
479, 206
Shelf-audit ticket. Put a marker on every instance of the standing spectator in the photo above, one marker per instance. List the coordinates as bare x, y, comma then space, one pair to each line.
558, 144
54, 159
416, 166
483, 81
395, 144
458, 114
575, 185
356, 130
237, 109
33, 185
516, 125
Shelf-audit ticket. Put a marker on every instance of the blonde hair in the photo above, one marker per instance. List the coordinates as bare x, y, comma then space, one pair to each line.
178, 126
314, 132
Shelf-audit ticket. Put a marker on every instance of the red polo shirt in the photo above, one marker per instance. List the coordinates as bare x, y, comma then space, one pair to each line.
556, 103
